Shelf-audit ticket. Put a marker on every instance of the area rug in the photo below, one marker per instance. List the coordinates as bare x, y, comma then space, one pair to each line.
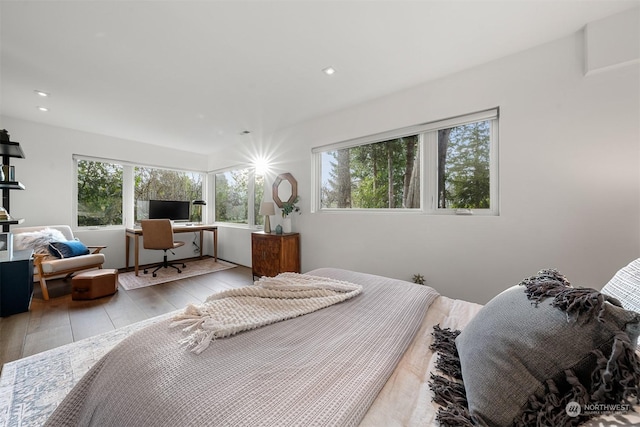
198, 267
32, 387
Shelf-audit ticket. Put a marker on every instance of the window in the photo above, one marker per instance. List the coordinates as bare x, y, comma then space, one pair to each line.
373, 176
99, 193
464, 166
238, 196
112, 193
164, 184
444, 167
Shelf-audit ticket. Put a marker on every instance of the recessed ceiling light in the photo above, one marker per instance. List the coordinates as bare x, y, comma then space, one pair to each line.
329, 71
245, 132
41, 93
45, 109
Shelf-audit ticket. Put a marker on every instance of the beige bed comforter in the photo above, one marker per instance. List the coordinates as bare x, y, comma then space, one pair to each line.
324, 368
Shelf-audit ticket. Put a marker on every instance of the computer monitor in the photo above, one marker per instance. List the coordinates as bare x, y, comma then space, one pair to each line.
175, 210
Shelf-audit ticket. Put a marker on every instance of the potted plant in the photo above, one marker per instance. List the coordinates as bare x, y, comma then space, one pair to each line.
287, 209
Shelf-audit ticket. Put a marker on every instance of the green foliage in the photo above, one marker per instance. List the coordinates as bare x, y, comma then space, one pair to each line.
99, 193
374, 176
232, 196
290, 207
258, 196
164, 184
386, 175
467, 174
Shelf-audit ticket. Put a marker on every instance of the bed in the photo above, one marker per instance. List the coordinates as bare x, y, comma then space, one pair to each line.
364, 361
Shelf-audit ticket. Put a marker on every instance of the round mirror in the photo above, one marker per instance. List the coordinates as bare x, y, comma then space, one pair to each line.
285, 188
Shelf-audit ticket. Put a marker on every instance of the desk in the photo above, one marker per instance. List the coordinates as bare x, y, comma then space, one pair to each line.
201, 228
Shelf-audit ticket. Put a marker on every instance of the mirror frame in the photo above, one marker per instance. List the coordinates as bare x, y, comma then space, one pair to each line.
294, 188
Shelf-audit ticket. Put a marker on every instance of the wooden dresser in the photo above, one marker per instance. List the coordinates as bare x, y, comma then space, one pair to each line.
272, 253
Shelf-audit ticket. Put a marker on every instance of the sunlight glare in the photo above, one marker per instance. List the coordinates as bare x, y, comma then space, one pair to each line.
262, 165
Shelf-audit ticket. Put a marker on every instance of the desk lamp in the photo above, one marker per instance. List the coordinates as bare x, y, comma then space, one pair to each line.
267, 209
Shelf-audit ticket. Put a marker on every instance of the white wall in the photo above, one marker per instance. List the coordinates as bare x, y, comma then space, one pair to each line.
47, 173
569, 180
612, 42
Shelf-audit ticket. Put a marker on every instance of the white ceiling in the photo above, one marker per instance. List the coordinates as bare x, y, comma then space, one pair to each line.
196, 74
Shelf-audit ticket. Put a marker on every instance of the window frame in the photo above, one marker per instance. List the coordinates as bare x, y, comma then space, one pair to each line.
428, 143
251, 196
203, 186
128, 190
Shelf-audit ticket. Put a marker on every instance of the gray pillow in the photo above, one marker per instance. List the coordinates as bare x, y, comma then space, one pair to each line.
533, 349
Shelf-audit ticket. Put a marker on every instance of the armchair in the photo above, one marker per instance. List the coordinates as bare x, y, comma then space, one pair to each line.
45, 265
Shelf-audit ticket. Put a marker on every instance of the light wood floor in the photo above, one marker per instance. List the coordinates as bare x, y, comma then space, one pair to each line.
59, 321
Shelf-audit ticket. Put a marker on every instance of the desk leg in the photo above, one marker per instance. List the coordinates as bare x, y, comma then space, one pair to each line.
215, 244
201, 242
127, 240
135, 255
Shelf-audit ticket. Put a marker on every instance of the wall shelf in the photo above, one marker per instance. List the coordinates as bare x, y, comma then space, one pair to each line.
12, 221
12, 185
9, 149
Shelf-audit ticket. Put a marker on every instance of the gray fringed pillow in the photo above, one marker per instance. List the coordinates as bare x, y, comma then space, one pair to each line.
535, 348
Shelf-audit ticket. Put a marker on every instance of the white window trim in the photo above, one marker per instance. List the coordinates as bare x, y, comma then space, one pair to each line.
74, 213
251, 217
429, 151
128, 190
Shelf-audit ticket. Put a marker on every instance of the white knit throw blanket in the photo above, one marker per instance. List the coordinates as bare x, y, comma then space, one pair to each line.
270, 300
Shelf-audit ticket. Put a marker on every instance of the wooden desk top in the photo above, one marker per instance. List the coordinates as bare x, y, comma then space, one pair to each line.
179, 228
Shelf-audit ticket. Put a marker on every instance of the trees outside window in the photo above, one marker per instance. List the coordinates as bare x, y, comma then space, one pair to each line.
373, 176
103, 186
99, 193
238, 196
165, 184
459, 157
464, 166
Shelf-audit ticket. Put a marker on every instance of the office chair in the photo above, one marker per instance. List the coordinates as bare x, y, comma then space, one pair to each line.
158, 234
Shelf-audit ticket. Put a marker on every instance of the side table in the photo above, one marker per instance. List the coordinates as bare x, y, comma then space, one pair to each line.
272, 253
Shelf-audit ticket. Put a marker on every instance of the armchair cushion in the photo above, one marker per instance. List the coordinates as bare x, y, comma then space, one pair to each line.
68, 249
63, 265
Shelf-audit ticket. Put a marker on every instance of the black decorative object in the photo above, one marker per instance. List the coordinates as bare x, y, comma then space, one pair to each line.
9, 149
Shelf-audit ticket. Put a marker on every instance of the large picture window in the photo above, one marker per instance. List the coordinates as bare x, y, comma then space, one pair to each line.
113, 193
444, 167
238, 194
164, 184
382, 175
99, 193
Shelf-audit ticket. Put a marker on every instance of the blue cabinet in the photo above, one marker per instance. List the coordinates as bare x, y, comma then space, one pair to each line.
16, 283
